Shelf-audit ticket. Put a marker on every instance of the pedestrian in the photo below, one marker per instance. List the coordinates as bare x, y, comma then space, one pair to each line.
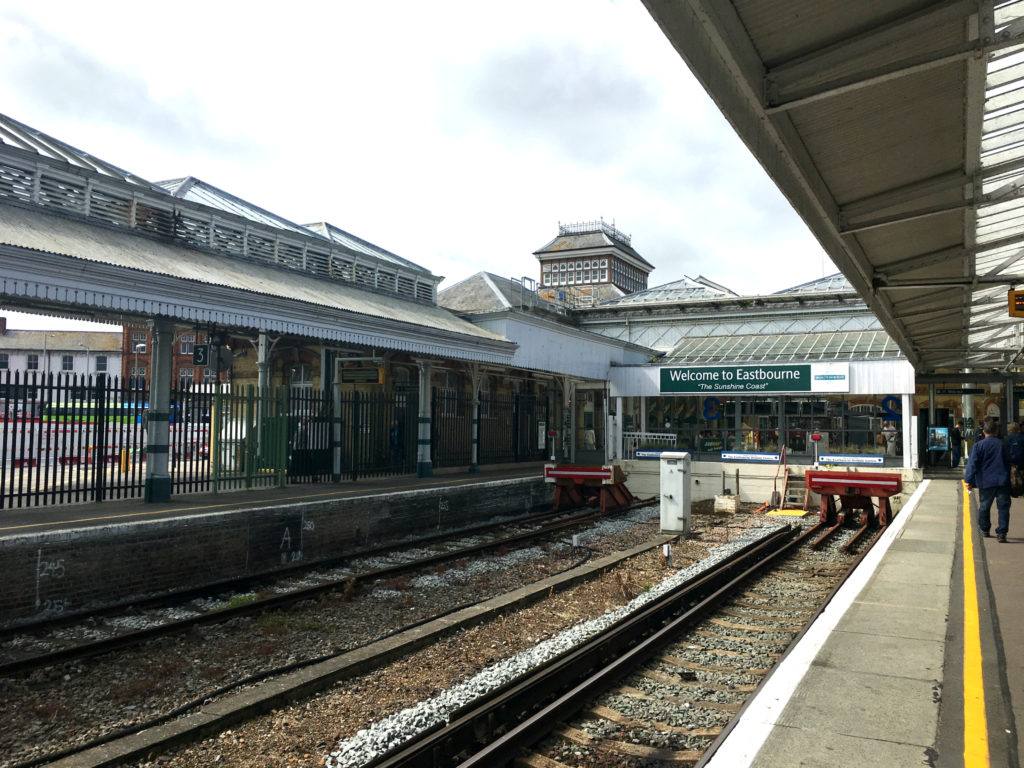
395, 441
1015, 443
302, 455
889, 432
988, 470
956, 441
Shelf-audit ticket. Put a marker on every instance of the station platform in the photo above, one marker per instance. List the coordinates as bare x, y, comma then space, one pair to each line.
20, 520
917, 661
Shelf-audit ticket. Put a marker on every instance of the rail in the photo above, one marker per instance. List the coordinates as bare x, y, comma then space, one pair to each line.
566, 682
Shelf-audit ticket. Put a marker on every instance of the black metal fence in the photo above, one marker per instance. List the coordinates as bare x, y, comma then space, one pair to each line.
69, 438
512, 428
451, 425
377, 434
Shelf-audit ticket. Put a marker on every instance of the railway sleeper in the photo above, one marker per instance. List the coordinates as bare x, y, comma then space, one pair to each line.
614, 716
626, 749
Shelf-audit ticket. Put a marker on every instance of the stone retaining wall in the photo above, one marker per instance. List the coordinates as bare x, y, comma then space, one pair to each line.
74, 571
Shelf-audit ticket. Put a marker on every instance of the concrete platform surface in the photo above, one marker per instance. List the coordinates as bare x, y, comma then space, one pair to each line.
917, 661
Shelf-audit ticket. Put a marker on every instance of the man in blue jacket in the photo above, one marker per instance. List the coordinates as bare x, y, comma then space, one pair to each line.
988, 470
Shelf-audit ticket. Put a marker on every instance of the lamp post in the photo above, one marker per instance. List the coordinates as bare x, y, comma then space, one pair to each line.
135, 368
88, 354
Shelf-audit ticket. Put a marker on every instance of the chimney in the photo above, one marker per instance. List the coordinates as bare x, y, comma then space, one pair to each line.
3, 324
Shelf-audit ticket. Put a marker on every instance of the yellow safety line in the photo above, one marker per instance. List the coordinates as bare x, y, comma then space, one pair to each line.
975, 723
126, 515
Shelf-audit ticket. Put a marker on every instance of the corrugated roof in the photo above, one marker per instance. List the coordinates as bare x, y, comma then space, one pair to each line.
90, 244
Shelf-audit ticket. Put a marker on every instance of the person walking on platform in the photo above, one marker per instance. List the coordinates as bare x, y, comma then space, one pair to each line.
956, 441
988, 470
1015, 442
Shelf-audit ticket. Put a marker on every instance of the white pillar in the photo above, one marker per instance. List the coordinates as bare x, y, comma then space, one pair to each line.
909, 433
158, 478
568, 419
424, 467
263, 363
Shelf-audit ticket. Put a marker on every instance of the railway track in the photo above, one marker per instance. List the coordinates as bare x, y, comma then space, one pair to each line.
130, 710
47, 644
658, 687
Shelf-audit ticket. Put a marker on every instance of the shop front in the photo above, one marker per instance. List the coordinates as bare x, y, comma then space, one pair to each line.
859, 411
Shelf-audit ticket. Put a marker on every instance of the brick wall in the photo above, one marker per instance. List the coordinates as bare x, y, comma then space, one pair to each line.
74, 571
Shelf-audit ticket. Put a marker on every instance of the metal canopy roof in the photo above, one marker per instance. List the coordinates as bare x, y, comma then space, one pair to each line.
896, 130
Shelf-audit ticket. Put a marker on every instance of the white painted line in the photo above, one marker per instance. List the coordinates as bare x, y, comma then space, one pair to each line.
761, 716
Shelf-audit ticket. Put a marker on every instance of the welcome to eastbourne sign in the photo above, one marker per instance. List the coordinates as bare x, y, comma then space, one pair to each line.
753, 379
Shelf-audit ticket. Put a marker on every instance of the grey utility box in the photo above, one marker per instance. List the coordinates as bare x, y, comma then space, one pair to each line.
675, 492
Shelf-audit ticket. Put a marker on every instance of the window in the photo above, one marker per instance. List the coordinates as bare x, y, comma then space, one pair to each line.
547, 279
448, 395
33, 362
186, 377
547, 268
139, 337
138, 378
4, 361
207, 374
101, 363
188, 344
67, 363
302, 380
604, 275
485, 397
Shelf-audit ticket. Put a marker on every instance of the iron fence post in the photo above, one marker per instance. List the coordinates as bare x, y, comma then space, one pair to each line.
100, 427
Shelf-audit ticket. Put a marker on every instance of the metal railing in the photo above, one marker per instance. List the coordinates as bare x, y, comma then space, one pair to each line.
72, 438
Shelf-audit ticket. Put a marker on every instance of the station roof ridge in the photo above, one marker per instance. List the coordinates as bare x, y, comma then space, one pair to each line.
684, 289
338, 235
834, 283
198, 191
26, 138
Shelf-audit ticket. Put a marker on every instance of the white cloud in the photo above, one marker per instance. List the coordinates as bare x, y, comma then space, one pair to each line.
456, 134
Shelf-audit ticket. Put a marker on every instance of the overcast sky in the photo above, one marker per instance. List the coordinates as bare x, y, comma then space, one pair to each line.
455, 134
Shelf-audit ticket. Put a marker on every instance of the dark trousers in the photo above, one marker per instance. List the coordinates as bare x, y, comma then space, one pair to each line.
1001, 495
956, 455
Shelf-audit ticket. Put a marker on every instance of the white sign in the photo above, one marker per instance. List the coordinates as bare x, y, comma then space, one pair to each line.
863, 459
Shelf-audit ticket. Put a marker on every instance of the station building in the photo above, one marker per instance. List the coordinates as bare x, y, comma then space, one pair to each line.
583, 362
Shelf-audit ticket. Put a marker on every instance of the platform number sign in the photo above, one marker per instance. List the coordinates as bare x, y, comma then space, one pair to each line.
201, 355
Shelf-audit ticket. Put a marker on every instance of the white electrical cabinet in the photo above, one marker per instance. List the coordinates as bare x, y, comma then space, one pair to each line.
675, 492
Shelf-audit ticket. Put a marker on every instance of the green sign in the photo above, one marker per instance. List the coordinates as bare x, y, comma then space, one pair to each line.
749, 379
360, 375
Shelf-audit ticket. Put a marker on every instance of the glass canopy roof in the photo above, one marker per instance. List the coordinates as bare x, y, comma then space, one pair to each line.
999, 216
787, 347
